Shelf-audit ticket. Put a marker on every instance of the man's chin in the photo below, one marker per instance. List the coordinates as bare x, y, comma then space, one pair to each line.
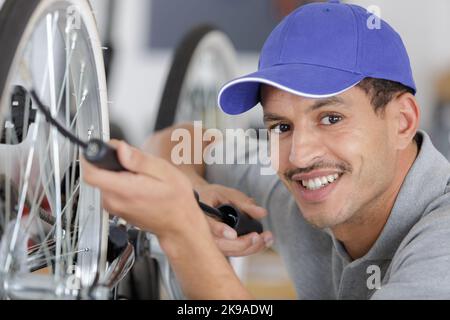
323, 219
319, 223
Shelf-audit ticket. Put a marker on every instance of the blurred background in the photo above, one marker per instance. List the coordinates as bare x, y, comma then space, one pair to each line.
141, 37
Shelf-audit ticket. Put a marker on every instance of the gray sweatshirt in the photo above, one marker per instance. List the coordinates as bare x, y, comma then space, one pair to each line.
409, 260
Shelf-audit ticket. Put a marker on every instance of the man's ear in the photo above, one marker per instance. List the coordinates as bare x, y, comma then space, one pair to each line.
408, 118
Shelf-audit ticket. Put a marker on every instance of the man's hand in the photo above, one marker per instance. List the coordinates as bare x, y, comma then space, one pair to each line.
161, 144
153, 195
226, 238
157, 197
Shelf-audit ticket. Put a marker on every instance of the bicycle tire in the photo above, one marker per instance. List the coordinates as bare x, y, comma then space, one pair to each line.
202, 41
182, 64
18, 22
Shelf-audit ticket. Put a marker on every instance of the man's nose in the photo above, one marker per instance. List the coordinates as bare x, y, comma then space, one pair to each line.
307, 147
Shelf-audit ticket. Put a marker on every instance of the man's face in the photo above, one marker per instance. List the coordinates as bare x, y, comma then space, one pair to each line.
336, 155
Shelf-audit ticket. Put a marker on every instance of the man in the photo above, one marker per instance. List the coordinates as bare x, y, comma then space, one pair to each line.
361, 205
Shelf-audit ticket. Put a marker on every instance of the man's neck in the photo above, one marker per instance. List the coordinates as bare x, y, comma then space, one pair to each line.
359, 235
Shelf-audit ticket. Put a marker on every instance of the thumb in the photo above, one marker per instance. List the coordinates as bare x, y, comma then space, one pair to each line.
134, 160
253, 210
247, 204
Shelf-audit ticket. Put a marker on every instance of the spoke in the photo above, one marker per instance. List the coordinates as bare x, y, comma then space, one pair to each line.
80, 82
75, 192
37, 260
29, 162
48, 243
44, 239
83, 98
69, 203
55, 146
51, 243
12, 139
68, 228
76, 238
22, 198
65, 87
44, 82
39, 197
73, 232
26, 116
81, 229
38, 200
37, 247
66, 84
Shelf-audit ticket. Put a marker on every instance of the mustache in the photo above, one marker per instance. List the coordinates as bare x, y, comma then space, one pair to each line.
341, 166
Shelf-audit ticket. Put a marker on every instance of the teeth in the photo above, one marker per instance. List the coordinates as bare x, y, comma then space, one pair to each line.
319, 182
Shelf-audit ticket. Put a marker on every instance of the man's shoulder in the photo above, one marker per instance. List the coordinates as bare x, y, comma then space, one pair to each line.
431, 232
437, 212
419, 267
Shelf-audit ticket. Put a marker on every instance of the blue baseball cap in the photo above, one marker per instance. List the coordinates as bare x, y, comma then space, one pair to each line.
321, 50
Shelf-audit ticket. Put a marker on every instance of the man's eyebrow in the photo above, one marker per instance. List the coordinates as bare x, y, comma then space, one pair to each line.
325, 102
268, 117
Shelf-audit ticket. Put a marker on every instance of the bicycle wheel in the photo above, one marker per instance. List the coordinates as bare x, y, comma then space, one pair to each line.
53, 228
203, 62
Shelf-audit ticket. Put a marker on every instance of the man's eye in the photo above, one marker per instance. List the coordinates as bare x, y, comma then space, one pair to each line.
280, 128
330, 119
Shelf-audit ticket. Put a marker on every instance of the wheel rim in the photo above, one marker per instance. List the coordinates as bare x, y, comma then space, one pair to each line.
213, 63
203, 62
59, 56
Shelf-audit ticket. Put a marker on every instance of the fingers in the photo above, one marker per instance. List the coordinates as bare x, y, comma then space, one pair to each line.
232, 245
103, 179
148, 180
245, 203
216, 195
130, 193
226, 237
137, 161
140, 165
221, 230
268, 238
244, 245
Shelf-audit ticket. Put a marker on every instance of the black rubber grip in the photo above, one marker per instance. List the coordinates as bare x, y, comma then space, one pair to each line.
102, 155
232, 216
239, 221
117, 241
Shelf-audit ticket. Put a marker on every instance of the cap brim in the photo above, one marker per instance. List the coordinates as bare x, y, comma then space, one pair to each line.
310, 81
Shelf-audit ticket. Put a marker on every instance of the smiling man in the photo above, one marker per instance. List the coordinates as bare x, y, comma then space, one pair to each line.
360, 208
343, 160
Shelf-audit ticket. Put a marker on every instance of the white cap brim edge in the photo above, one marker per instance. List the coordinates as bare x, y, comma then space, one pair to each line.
281, 87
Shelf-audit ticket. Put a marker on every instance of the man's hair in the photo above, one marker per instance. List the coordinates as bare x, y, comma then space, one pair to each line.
381, 91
